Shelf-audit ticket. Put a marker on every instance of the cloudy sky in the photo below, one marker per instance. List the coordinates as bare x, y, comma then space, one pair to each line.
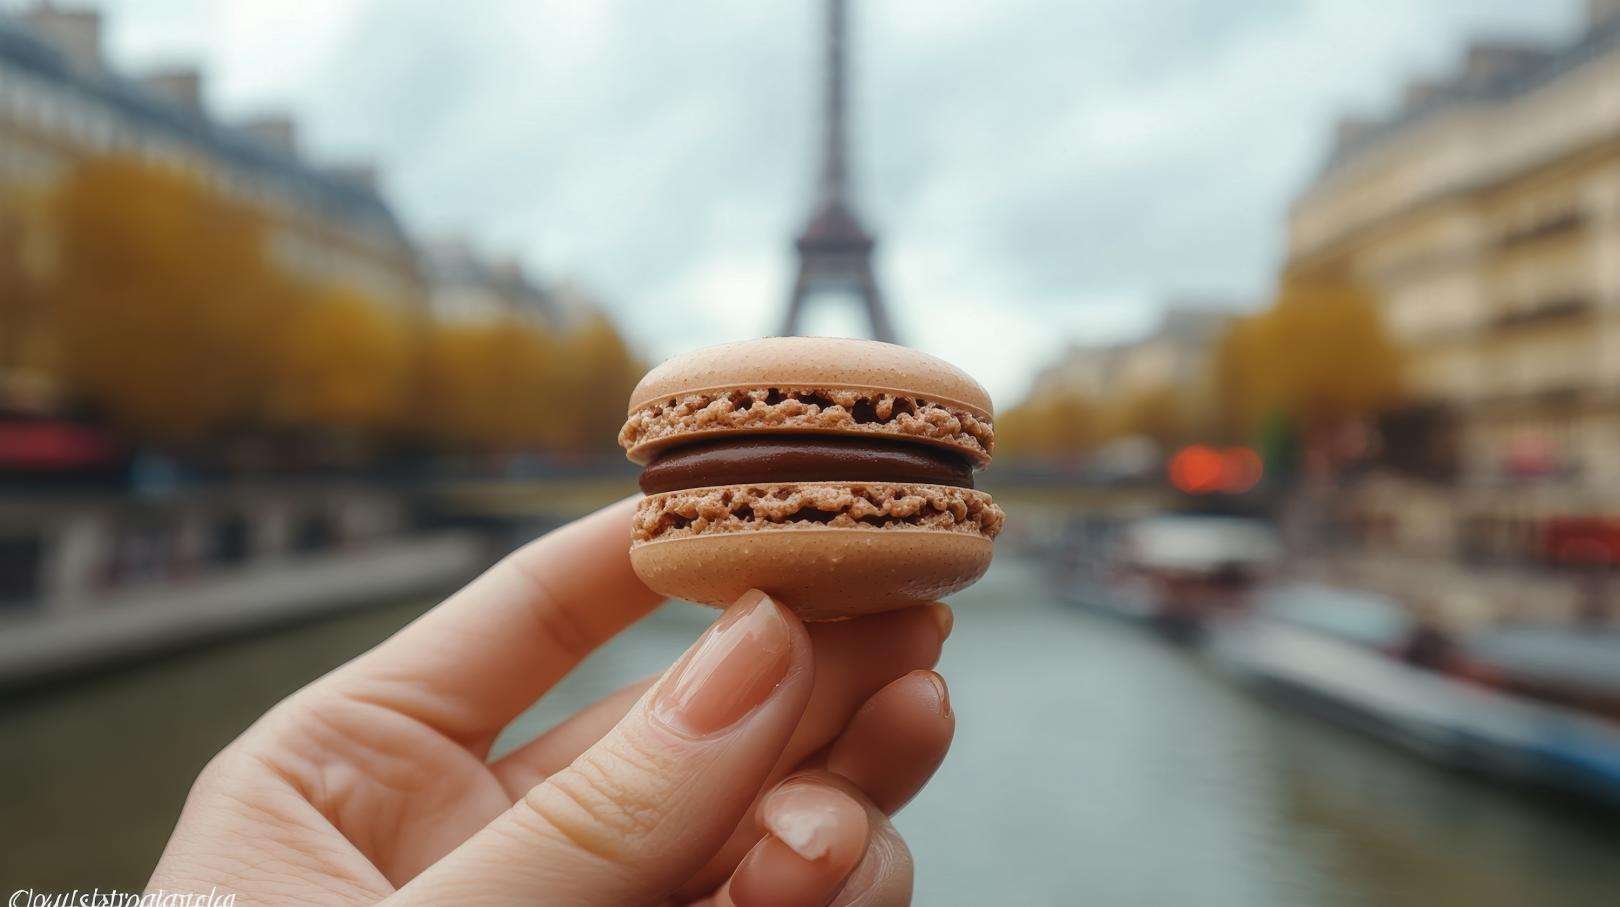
1039, 171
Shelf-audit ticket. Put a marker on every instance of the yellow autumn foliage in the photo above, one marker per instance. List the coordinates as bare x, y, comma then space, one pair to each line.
342, 361
1051, 427
162, 310
486, 386
1320, 355
160, 295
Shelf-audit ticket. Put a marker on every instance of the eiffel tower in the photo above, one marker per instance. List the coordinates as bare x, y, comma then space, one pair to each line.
835, 251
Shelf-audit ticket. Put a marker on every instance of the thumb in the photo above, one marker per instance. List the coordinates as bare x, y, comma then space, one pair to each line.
638, 813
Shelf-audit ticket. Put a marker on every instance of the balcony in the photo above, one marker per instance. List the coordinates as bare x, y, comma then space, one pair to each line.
1563, 223
1549, 311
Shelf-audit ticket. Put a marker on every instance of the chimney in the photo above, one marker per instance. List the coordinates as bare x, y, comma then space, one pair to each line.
75, 33
1602, 12
181, 85
1489, 61
359, 173
276, 131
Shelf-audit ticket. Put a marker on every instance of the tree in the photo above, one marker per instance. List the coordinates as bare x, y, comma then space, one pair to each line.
1339, 361
596, 374
1051, 426
449, 385
490, 386
24, 358
1319, 357
519, 400
162, 297
1156, 412
169, 317
342, 362
1247, 385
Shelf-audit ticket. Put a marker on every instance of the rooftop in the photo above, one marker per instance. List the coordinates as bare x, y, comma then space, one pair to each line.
1494, 72
453, 262
23, 50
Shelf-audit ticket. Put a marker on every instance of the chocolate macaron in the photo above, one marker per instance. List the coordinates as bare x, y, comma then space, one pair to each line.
836, 475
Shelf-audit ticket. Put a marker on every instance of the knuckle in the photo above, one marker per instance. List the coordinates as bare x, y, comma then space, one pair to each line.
216, 772
606, 803
894, 852
231, 769
884, 877
553, 620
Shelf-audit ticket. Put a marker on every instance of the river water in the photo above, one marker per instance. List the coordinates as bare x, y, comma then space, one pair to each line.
1093, 765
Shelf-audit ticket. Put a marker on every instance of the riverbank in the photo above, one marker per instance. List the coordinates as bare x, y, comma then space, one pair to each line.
80, 636
91, 579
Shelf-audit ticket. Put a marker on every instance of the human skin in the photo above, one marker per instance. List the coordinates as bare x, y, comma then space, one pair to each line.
759, 769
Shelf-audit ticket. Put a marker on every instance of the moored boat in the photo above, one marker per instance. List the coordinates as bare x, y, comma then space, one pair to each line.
1176, 572
1362, 660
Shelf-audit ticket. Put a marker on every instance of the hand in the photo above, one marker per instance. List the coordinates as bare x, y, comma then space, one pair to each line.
760, 769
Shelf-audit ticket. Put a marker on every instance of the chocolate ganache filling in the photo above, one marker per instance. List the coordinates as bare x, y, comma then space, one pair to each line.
754, 461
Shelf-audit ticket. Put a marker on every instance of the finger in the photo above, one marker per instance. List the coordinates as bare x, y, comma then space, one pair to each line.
816, 834
882, 877
889, 750
469, 666
551, 752
643, 808
897, 740
860, 657
855, 659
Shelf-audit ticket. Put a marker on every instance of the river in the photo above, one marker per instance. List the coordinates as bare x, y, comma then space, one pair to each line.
1093, 765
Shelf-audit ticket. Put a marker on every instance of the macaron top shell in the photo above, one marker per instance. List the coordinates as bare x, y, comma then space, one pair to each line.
837, 385
813, 362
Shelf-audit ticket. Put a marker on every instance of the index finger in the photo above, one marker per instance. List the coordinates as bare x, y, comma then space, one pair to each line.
470, 665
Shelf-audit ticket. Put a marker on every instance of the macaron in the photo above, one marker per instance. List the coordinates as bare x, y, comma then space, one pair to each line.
834, 474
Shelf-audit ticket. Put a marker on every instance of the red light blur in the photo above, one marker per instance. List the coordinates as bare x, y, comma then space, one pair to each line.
1201, 469
1241, 470
1196, 470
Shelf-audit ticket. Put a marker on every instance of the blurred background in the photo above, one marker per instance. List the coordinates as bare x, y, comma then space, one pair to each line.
1303, 321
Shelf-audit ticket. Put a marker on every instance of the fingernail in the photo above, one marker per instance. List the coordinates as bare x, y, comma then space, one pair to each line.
944, 617
944, 693
808, 817
736, 665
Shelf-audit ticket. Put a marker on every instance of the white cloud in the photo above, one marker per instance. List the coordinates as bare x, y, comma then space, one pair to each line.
1038, 170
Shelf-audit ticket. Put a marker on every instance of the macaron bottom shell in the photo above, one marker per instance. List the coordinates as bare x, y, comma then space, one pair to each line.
823, 573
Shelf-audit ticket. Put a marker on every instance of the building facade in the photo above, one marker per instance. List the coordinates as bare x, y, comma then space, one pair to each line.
1485, 215
466, 288
1176, 355
60, 104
